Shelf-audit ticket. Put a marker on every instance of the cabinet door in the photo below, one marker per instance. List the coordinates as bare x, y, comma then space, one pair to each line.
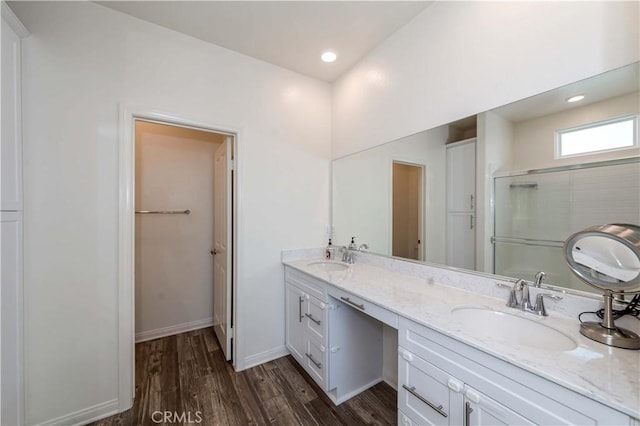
11, 147
482, 410
295, 300
428, 395
461, 240
461, 177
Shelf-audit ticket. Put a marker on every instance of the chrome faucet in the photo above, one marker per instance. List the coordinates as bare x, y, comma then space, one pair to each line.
348, 256
539, 277
349, 252
524, 302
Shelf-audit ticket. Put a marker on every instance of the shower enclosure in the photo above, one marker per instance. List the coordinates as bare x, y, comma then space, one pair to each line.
537, 210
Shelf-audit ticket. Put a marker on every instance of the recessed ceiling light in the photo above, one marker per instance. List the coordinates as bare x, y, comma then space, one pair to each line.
329, 56
575, 98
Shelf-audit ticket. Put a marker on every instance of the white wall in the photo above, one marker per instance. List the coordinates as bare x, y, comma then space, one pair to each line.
493, 153
533, 145
362, 183
81, 61
173, 264
457, 59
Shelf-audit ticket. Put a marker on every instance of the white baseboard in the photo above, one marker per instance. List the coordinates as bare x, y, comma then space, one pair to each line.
85, 416
390, 382
173, 329
390, 377
266, 356
348, 396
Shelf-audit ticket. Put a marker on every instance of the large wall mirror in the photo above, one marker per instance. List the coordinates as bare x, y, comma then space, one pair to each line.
500, 192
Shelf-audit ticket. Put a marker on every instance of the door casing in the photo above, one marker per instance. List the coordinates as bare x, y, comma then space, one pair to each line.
126, 238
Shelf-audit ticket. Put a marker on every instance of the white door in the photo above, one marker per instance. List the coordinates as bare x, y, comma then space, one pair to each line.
11, 296
222, 247
11, 158
461, 177
481, 410
295, 300
461, 240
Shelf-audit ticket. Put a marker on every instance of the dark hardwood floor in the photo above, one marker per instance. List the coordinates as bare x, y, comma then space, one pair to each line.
187, 374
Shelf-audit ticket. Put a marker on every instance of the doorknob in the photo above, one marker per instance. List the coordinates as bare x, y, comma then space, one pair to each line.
213, 252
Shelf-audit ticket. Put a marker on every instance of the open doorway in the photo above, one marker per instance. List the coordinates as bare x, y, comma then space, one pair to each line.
178, 233
407, 211
183, 237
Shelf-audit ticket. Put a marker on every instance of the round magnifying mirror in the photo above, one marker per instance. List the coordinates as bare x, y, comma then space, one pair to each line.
607, 257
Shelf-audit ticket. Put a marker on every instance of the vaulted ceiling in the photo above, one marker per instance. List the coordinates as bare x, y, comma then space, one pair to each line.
290, 34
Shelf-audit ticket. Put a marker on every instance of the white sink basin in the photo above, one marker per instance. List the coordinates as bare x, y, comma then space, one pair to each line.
329, 266
513, 329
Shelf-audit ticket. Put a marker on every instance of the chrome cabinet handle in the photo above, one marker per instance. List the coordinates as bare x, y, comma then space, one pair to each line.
300, 301
312, 318
348, 300
471, 222
467, 414
412, 391
317, 364
471, 201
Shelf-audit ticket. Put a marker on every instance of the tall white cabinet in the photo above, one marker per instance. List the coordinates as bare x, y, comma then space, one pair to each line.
461, 204
11, 300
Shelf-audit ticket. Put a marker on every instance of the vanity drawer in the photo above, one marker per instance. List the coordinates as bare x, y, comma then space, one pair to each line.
315, 360
425, 392
307, 283
371, 309
316, 318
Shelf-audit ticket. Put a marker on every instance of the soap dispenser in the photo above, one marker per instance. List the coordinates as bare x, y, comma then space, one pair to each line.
352, 244
330, 252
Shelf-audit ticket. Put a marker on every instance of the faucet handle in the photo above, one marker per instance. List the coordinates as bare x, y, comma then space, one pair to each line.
539, 307
522, 286
363, 247
513, 299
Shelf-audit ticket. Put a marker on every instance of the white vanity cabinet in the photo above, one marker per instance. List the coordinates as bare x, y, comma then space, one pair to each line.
306, 324
445, 382
339, 346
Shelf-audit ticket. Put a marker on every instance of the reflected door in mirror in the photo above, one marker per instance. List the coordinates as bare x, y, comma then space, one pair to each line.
461, 191
407, 211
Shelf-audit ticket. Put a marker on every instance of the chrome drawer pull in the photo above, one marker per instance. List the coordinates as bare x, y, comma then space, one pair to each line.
300, 302
312, 318
317, 364
348, 300
412, 391
467, 414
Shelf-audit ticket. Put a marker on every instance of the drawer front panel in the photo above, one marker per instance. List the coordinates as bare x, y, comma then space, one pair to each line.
315, 360
315, 318
371, 309
308, 284
424, 394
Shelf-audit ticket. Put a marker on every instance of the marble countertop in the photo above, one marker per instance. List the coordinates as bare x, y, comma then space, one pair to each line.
605, 374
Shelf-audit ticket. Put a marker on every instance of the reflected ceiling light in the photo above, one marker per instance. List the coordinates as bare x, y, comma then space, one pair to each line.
575, 98
329, 56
